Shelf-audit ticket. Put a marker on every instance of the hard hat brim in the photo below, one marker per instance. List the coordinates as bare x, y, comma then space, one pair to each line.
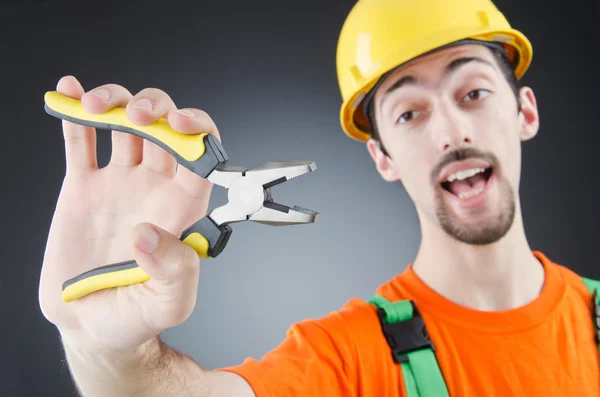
353, 119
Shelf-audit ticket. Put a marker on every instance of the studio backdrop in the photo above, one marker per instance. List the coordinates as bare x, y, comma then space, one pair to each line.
265, 72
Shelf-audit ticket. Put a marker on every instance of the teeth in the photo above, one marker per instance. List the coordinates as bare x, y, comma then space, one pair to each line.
460, 175
471, 193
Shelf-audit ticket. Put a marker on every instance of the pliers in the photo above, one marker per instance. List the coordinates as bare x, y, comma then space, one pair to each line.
249, 190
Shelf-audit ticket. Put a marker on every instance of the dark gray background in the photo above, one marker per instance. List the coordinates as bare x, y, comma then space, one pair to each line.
265, 71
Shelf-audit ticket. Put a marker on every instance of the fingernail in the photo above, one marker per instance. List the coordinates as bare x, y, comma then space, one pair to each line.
144, 104
101, 93
186, 113
147, 239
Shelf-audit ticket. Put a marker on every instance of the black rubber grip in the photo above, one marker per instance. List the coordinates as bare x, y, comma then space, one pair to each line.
115, 267
217, 235
213, 156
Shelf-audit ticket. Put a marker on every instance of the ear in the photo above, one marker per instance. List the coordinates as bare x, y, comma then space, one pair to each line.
530, 122
385, 166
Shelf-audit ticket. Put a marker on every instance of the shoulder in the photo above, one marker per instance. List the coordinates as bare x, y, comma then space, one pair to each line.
352, 320
573, 280
358, 314
358, 324
577, 289
355, 326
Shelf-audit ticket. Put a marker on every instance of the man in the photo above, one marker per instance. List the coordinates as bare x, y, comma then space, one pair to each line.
430, 86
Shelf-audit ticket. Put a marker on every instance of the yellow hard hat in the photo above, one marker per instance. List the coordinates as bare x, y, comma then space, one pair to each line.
380, 35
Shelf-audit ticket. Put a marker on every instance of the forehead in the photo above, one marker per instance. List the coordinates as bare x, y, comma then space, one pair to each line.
432, 67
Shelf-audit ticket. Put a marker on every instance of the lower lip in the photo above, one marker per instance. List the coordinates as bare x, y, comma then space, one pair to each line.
472, 202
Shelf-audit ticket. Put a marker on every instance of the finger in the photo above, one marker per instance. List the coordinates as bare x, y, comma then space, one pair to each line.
174, 270
105, 97
147, 107
126, 147
80, 140
192, 121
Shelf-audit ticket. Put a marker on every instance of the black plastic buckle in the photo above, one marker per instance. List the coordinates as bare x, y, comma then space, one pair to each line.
405, 336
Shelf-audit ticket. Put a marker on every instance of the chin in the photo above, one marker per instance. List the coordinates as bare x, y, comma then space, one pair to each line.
482, 220
487, 232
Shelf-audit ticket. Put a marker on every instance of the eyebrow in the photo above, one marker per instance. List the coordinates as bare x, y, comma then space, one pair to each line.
452, 67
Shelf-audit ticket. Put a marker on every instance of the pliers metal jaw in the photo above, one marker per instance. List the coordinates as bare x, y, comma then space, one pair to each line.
250, 199
249, 191
250, 196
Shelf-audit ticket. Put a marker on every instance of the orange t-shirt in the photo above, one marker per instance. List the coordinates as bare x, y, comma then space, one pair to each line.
545, 348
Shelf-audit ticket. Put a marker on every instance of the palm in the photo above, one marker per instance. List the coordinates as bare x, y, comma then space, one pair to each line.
92, 227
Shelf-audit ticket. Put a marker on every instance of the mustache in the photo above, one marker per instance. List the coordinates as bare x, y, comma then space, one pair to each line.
461, 155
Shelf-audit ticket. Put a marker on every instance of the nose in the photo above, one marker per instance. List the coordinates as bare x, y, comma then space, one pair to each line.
453, 130
456, 143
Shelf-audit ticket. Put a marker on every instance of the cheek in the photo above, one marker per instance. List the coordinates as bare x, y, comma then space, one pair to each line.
415, 172
514, 157
414, 155
504, 142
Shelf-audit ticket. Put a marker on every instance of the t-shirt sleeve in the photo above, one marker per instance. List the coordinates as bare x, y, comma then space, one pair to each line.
317, 358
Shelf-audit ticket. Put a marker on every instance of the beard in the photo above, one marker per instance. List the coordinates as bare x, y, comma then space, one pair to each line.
487, 228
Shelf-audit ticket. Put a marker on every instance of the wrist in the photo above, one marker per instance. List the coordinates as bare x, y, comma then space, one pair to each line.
84, 350
101, 371
151, 369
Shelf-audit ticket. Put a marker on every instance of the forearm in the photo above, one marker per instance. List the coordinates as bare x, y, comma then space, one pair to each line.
152, 370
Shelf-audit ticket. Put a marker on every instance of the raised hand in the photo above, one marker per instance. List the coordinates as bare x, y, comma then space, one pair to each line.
131, 209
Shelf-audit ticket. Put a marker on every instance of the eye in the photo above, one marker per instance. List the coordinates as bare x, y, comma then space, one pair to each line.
406, 117
476, 95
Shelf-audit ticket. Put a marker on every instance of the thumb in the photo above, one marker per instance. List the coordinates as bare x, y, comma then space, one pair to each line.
174, 269
162, 255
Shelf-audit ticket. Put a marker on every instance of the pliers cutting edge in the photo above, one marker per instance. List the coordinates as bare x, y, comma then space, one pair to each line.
249, 190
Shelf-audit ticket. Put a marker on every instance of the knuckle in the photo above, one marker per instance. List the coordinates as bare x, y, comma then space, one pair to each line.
154, 94
118, 89
206, 121
113, 88
117, 92
182, 260
204, 116
150, 91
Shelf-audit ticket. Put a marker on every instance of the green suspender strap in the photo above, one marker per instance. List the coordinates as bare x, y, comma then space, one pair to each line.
405, 332
594, 287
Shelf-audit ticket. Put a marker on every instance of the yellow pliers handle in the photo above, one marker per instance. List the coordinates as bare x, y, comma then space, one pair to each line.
188, 147
201, 153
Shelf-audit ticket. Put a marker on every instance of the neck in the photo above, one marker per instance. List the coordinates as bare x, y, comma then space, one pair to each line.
499, 276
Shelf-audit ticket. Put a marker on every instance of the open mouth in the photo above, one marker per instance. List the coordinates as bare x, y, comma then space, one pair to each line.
468, 183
